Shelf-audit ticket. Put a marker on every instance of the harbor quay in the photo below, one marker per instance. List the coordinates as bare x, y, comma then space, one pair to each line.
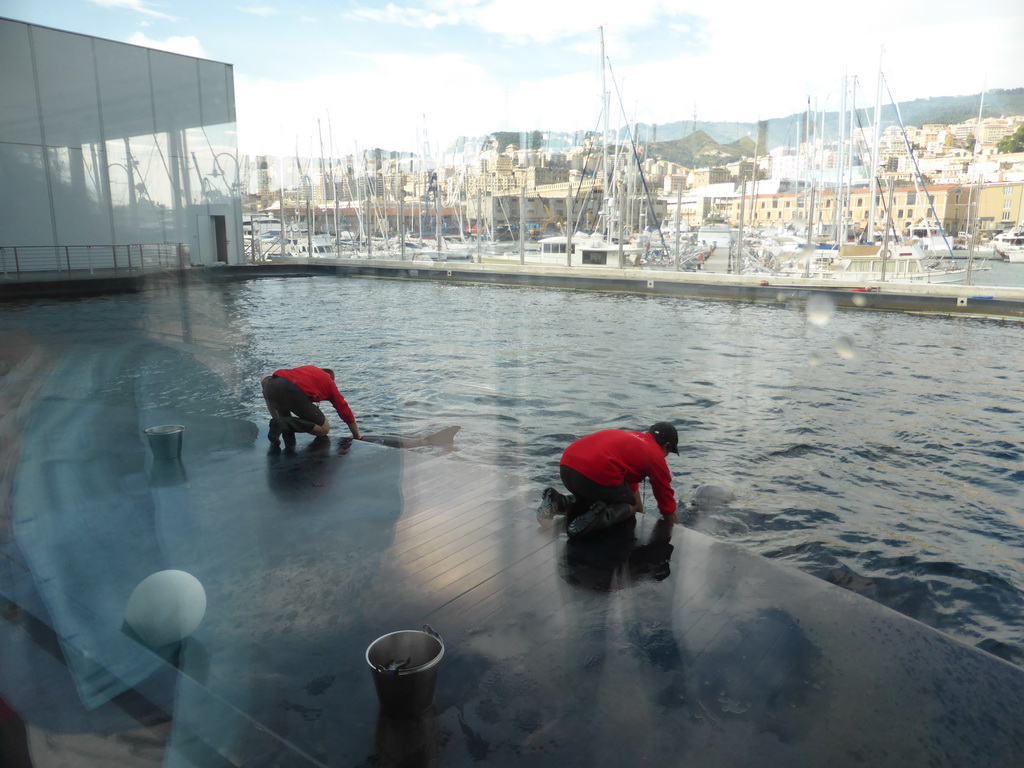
713, 282
1003, 303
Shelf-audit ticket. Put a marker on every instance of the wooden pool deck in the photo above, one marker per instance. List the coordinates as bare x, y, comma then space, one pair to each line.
647, 645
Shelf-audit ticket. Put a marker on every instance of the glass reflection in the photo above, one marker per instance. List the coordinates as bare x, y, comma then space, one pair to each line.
131, 146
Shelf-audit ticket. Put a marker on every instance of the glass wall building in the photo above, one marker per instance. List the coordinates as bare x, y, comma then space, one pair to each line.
104, 143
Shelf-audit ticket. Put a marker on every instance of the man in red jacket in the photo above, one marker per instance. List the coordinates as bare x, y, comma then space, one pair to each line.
291, 395
603, 471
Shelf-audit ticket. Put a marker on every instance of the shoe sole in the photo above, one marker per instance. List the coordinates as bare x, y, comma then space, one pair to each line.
553, 504
580, 525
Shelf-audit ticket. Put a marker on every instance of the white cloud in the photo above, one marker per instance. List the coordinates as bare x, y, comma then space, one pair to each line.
405, 16
768, 66
187, 46
259, 10
139, 6
384, 104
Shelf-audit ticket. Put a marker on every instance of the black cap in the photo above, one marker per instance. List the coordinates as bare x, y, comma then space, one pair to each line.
665, 433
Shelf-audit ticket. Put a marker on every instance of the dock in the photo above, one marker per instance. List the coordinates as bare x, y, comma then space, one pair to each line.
999, 303
713, 282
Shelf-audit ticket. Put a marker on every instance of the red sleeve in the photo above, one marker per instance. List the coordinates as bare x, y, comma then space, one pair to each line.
661, 484
340, 404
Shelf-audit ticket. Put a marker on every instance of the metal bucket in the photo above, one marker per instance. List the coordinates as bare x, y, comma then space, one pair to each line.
165, 441
404, 666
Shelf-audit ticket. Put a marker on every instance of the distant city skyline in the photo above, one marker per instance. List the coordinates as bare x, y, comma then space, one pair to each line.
316, 78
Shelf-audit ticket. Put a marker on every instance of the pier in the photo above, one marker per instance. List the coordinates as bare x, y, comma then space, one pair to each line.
949, 300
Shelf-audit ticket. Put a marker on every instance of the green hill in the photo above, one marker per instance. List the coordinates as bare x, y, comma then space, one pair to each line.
699, 150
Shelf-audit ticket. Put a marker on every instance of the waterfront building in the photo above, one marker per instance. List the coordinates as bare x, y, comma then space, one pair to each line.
1001, 206
108, 146
996, 207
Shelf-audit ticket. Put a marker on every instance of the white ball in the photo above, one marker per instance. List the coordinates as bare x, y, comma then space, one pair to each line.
166, 607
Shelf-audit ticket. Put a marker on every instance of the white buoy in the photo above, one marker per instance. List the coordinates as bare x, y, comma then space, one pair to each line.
166, 607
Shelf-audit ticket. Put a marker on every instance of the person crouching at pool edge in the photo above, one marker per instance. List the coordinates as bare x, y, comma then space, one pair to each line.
291, 395
602, 473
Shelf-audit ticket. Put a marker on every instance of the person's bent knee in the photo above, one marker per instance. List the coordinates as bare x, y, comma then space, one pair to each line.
322, 429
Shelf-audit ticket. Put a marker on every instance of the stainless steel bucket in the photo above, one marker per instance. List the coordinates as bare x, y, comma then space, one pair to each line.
165, 441
404, 666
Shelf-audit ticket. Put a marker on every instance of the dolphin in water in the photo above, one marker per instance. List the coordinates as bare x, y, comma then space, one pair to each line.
443, 437
711, 496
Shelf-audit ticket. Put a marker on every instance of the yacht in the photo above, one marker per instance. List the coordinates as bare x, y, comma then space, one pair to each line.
897, 263
1010, 244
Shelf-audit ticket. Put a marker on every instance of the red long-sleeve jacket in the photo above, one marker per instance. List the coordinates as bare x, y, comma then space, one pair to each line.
318, 385
615, 456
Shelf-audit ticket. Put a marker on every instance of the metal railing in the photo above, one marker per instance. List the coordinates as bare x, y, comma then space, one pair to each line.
19, 261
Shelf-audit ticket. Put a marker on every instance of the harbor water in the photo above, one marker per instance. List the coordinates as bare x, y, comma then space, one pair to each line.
878, 451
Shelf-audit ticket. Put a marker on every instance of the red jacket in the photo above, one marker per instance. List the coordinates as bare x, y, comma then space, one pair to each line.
614, 456
318, 385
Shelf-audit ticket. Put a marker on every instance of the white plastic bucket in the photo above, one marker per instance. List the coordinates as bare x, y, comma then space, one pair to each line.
404, 666
165, 441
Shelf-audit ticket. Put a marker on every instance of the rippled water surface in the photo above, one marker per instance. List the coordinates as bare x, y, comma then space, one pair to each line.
879, 451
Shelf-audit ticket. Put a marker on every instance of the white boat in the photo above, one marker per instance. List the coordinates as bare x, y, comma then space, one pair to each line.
718, 235
1010, 244
589, 251
897, 263
261, 225
323, 246
932, 239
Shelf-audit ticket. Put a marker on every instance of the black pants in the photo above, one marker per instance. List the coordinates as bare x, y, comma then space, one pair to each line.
619, 498
288, 400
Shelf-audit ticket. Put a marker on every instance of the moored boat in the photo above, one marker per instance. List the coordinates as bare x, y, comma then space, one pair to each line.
1010, 245
590, 251
895, 263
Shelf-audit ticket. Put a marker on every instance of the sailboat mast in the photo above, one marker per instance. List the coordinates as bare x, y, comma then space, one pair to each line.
875, 139
839, 209
604, 142
972, 202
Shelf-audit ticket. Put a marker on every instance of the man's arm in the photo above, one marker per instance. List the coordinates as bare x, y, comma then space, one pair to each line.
638, 502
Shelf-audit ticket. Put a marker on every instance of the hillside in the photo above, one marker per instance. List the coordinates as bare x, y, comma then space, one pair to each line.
699, 150
787, 131
714, 143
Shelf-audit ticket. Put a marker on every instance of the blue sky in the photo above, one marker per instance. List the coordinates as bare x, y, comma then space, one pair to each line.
409, 74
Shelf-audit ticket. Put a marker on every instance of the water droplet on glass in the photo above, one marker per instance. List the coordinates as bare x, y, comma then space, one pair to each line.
845, 348
859, 301
814, 360
819, 310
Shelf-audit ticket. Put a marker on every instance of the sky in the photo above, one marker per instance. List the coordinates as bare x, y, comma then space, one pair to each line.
333, 77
